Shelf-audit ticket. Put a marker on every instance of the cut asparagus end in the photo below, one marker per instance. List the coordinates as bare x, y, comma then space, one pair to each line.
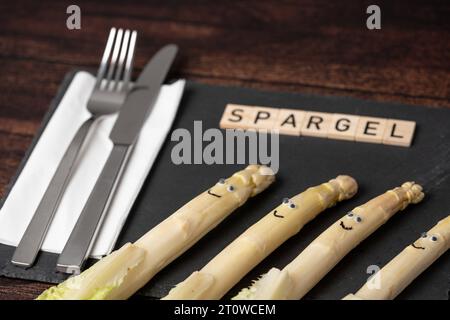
273, 285
97, 282
195, 287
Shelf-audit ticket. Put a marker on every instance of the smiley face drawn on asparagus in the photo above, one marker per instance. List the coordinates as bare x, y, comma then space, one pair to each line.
350, 216
285, 206
422, 241
236, 189
221, 188
362, 221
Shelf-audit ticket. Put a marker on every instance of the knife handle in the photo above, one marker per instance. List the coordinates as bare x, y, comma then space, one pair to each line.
34, 235
83, 236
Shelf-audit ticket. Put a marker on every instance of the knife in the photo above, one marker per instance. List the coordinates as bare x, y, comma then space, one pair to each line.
138, 104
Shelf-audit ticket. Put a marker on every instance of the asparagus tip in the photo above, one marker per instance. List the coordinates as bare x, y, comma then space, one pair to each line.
262, 177
347, 186
414, 191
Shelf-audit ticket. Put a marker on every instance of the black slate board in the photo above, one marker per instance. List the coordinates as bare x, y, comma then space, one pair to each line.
304, 162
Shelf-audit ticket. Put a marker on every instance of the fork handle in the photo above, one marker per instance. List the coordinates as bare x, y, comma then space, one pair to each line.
31, 242
86, 229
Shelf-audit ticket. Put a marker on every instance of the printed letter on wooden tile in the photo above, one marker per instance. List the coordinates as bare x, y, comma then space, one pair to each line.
399, 132
237, 117
316, 124
289, 121
264, 118
343, 127
370, 129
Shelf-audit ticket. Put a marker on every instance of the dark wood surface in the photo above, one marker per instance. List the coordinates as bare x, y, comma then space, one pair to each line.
315, 46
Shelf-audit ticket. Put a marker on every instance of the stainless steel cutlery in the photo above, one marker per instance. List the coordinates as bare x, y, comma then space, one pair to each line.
111, 87
132, 115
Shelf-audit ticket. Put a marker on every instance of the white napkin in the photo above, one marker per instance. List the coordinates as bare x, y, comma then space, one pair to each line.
30, 186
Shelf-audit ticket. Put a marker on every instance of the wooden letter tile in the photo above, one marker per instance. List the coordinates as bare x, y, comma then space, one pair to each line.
370, 129
343, 127
236, 117
399, 132
316, 124
289, 121
264, 118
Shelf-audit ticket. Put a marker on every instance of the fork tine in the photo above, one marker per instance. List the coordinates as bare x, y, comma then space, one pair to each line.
123, 52
129, 62
105, 57
112, 64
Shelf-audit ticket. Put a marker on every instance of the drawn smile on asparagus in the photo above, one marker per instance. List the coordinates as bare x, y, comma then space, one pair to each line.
417, 247
344, 227
277, 215
425, 235
213, 194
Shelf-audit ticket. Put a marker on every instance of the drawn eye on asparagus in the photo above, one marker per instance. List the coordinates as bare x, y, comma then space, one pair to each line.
257, 242
123, 272
408, 264
305, 271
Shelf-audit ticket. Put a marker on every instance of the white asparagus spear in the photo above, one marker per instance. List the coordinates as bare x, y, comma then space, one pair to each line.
126, 270
405, 267
258, 241
305, 271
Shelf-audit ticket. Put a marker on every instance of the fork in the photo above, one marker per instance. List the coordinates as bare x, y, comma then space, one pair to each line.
111, 87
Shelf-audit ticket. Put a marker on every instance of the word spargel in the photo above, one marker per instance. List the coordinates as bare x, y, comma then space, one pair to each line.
319, 124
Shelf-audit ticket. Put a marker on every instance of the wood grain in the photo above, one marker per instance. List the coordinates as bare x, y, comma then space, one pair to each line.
309, 46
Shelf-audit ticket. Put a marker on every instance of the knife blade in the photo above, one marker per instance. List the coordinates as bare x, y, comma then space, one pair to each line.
132, 116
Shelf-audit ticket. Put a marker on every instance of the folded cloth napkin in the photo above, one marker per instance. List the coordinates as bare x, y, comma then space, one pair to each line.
32, 182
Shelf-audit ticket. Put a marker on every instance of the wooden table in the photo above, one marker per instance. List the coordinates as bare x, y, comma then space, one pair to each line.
312, 46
